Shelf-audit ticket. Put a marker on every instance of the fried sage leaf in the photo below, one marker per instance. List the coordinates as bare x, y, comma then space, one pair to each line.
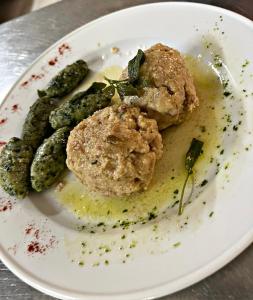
36, 126
66, 81
49, 160
108, 92
123, 87
132, 85
81, 106
134, 66
126, 89
190, 159
15, 161
193, 154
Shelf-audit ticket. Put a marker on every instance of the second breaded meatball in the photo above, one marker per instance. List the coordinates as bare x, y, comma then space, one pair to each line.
114, 151
169, 92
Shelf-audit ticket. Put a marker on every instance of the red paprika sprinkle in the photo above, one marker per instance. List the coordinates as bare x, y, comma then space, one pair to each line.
53, 61
25, 83
36, 77
14, 107
2, 121
5, 206
29, 228
40, 239
36, 247
36, 233
63, 48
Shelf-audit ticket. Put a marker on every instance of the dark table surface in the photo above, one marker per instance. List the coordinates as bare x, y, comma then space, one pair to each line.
22, 40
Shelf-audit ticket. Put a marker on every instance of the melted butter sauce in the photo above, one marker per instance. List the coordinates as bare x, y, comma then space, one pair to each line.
204, 123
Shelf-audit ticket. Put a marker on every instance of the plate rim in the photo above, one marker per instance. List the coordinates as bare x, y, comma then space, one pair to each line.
152, 293
162, 289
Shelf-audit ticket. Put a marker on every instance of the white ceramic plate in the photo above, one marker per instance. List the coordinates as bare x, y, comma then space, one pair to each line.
208, 243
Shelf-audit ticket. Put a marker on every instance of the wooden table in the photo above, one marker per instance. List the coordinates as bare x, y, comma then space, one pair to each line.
27, 37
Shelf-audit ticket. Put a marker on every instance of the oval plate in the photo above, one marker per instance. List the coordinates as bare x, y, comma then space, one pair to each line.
37, 235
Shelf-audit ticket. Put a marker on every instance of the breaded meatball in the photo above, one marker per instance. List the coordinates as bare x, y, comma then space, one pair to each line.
114, 151
170, 92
